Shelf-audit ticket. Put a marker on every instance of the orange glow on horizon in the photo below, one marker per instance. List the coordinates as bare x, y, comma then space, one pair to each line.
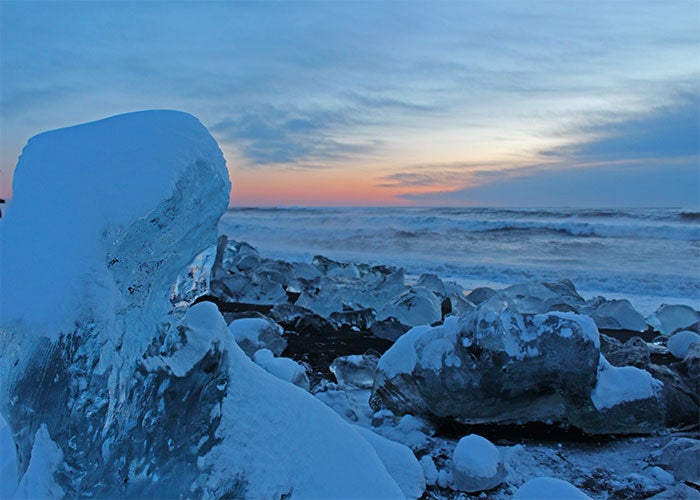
319, 187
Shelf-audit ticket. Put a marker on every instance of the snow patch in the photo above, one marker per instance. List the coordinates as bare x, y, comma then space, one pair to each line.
621, 384
283, 368
549, 488
399, 461
280, 440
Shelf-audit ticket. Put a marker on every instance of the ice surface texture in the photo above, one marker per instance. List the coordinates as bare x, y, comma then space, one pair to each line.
111, 390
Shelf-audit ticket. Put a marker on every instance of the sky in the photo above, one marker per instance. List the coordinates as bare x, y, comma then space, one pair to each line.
474, 103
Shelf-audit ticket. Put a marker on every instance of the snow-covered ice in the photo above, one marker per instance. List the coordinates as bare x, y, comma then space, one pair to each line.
46, 461
621, 384
252, 334
549, 488
82, 190
399, 461
476, 464
278, 439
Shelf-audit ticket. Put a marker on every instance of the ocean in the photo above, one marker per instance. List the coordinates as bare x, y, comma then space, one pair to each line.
649, 256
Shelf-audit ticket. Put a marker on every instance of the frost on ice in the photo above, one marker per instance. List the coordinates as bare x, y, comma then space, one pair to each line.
111, 384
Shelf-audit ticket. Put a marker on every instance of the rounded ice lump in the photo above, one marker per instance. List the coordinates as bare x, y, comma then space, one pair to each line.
476, 464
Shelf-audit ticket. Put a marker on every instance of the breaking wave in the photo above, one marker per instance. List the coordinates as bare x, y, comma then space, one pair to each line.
647, 252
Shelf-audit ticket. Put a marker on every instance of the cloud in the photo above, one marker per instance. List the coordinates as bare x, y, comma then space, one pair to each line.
640, 185
270, 135
645, 159
296, 85
668, 131
434, 175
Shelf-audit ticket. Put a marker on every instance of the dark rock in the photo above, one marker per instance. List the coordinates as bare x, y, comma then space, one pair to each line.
233, 307
680, 395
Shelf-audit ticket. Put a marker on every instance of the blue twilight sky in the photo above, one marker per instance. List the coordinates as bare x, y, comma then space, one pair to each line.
538, 103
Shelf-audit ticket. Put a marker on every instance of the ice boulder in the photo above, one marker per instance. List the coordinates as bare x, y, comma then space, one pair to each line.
252, 334
252, 288
498, 365
549, 488
109, 388
323, 301
679, 491
494, 365
680, 342
433, 283
618, 315
151, 183
234, 256
476, 465
331, 267
480, 294
195, 282
415, 306
355, 371
669, 319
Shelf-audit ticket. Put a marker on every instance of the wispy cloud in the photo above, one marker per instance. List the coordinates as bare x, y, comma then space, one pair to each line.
438, 175
270, 135
668, 131
650, 158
